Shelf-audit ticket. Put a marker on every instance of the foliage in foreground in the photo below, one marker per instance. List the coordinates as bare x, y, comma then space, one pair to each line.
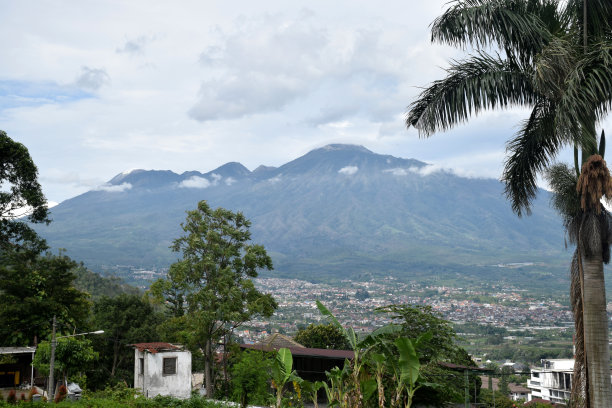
138, 402
122, 396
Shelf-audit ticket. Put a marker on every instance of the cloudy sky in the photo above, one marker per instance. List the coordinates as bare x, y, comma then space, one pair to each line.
98, 87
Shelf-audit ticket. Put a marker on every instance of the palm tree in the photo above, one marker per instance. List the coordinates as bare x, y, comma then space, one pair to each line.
578, 200
554, 57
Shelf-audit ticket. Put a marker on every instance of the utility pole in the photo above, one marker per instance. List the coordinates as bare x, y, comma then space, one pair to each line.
51, 388
467, 389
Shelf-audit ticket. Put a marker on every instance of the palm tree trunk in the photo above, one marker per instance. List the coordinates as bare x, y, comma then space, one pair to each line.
596, 333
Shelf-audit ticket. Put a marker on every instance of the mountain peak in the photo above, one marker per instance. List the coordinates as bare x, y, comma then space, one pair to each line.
145, 178
121, 176
231, 169
344, 147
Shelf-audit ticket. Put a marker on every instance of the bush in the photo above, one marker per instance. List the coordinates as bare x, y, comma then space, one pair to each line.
250, 374
12, 397
61, 395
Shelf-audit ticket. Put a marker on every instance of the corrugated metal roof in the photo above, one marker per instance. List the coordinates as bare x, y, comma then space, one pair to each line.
278, 340
17, 350
304, 351
156, 347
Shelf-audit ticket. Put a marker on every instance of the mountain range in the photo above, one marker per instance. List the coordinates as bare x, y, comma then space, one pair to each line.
340, 211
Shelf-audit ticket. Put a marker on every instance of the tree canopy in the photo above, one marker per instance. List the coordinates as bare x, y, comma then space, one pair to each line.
125, 319
20, 194
71, 355
210, 288
33, 289
324, 336
437, 345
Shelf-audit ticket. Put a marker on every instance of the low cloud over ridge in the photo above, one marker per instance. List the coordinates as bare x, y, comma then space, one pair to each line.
195, 182
112, 188
349, 170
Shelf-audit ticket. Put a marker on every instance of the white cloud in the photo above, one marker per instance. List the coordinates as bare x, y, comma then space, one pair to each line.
134, 46
195, 182
276, 81
429, 170
398, 171
92, 78
230, 180
114, 188
270, 63
274, 179
421, 171
348, 170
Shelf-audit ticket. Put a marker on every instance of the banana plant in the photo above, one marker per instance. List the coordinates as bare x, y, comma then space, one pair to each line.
407, 370
336, 391
312, 390
282, 373
359, 389
379, 365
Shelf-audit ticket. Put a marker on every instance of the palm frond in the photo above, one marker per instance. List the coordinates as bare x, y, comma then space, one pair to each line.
553, 65
532, 150
562, 180
512, 25
588, 92
599, 17
472, 85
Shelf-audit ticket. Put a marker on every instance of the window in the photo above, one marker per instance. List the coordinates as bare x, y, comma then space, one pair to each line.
141, 371
169, 366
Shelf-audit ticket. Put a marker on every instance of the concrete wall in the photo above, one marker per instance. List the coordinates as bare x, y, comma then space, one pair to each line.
153, 382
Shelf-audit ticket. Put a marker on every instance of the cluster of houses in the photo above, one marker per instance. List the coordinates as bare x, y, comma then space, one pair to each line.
165, 369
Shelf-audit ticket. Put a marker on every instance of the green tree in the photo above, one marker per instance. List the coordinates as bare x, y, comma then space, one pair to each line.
72, 355
33, 289
504, 380
361, 294
250, 374
437, 345
416, 320
125, 319
324, 336
98, 286
556, 57
214, 279
499, 400
20, 194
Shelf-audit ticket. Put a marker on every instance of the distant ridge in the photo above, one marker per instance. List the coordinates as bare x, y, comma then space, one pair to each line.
337, 211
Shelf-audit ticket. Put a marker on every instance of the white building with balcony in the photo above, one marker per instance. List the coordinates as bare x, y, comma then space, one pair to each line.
553, 381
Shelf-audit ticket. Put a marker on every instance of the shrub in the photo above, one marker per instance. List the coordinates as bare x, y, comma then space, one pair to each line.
250, 376
31, 393
12, 397
61, 395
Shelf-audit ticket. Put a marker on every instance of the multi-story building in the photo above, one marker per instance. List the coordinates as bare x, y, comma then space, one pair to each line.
553, 381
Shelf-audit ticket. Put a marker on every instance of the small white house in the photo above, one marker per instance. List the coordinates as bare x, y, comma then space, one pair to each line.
162, 369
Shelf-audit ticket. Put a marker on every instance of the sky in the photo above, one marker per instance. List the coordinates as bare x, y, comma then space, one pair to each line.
95, 88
